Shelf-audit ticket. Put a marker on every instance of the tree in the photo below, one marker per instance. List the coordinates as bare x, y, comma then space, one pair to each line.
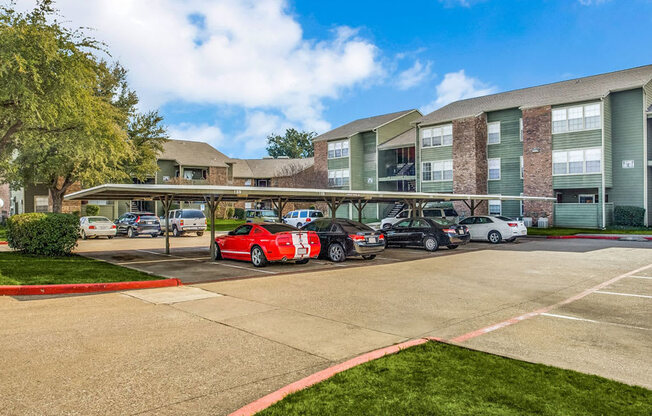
58, 128
294, 144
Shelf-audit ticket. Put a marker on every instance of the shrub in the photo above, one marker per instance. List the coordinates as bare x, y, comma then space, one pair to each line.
629, 215
239, 213
230, 212
92, 210
43, 234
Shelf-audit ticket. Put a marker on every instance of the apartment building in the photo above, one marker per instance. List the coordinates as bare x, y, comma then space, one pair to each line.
586, 142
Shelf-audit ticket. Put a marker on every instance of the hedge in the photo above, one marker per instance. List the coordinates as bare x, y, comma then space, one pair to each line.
92, 210
43, 234
629, 215
240, 213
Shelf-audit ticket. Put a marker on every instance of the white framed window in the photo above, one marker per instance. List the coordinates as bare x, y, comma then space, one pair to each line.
494, 169
520, 129
495, 207
437, 171
41, 203
338, 177
577, 161
586, 199
437, 136
576, 118
338, 149
521, 161
493, 132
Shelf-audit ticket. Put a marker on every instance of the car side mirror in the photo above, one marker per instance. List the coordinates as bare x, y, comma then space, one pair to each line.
230, 233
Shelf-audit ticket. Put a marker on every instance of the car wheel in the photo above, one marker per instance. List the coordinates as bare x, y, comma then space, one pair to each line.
200, 233
83, 235
130, 232
218, 252
387, 226
175, 232
110, 237
258, 258
336, 253
369, 257
494, 237
453, 246
430, 243
299, 225
154, 235
302, 261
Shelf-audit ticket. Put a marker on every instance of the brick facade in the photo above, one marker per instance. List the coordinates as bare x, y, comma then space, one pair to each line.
470, 160
537, 161
217, 176
321, 164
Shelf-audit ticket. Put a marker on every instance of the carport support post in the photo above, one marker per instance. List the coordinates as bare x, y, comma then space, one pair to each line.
167, 203
280, 206
212, 207
333, 205
360, 205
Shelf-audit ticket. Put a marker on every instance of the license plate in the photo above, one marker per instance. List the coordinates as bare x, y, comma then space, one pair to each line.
301, 251
460, 231
372, 240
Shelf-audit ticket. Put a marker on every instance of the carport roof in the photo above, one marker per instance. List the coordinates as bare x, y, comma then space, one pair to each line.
241, 193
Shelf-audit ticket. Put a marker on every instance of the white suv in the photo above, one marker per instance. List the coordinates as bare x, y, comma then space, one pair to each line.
185, 220
300, 217
448, 213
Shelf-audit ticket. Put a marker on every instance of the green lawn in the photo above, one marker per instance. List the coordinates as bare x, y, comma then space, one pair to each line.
3, 233
441, 379
572, 231
21, 269
225, 225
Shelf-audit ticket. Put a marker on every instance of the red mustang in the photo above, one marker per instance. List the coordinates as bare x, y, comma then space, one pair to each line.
262, 243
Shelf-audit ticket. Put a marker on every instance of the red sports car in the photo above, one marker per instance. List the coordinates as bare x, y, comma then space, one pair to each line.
262, 243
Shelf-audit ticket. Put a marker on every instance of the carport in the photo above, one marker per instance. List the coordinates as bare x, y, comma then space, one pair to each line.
212, 195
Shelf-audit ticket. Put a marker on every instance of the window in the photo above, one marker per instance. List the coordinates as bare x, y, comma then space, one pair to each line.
586, 199
577, 161
521, 161
338, 177
581, 117
41, 203
242, 230
338, 149
437, 171
494, 169
468, 221
303, 214
522, 206
403, 224
420, 224
495, 207
437, 136
493, 132
520, 129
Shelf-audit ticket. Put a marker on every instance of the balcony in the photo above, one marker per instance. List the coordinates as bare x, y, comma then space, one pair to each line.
397, 172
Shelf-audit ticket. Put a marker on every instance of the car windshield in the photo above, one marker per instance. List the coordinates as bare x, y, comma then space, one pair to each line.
192, 213
450, 212
354, 227
267, 213
278, 228
443, 221
316, 214
98, 219
500, 217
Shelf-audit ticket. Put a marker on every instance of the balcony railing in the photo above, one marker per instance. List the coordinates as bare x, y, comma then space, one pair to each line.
400, 169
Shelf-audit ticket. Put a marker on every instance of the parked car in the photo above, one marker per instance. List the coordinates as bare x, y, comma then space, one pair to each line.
135, 223
494, 228
342, 238
448, 213
430, 233
261, 215
266, 242
300, 217
185, 220
95, 227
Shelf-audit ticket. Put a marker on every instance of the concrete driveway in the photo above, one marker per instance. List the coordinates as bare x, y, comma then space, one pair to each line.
211, 348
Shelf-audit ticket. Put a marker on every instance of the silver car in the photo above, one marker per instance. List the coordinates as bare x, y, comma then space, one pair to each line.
96, 227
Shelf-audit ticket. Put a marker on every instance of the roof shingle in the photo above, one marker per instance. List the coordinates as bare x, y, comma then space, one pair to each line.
190, 153
360, 125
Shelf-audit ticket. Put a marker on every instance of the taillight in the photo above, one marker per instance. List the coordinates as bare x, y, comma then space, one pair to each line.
138, 218
381, 237
284, 240
512, 224
113, 226
181, 222
308, 220
356, 237
313, 238
449, 230
91, 227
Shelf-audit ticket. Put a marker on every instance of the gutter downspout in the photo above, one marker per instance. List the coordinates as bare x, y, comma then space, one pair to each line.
603, 180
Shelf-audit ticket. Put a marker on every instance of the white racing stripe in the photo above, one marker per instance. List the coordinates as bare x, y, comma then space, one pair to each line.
300, 242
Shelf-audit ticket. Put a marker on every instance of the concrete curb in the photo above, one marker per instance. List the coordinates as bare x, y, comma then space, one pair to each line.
28, 290
270, 399
633, 237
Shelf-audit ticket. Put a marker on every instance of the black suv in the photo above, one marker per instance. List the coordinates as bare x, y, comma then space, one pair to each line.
134, 223
341, 238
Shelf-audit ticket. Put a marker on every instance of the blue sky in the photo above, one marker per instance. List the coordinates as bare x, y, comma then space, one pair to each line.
230, 72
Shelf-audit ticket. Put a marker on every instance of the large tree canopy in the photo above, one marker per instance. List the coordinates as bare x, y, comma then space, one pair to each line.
293, 144
67, 116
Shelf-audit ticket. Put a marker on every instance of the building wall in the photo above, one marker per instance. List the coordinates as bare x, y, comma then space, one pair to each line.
321, 163
396, 127
509, 150
607, 151
537, 160
470, 159
430, 154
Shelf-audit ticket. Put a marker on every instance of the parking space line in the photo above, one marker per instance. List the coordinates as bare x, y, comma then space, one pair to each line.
244, 268
517, 319
160, 260
641, 277
574, 318
623, 294
157, 253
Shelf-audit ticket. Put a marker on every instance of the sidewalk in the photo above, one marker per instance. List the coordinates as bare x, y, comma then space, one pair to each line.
621, 237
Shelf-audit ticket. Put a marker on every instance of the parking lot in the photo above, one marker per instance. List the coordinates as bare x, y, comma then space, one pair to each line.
212, 347
190, 258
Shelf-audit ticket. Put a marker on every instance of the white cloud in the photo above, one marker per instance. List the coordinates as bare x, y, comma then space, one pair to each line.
414, 75
457, 86
245, 53
197, 132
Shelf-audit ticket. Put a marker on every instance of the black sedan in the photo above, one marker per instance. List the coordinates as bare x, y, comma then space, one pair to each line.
341, 238
134, 223
430, 233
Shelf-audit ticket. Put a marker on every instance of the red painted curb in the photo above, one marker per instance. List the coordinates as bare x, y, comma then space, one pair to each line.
590, 237
3, 243
24, 290
270, 399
